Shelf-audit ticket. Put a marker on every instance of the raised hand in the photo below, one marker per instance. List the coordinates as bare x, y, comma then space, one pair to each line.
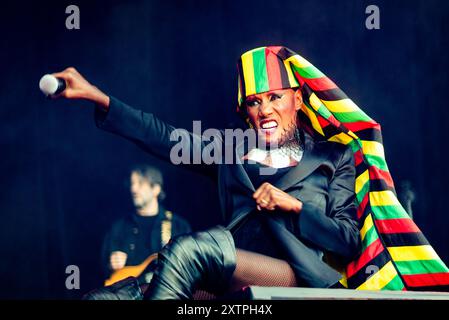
79, 88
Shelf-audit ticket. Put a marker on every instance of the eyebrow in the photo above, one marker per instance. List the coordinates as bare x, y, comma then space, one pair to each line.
253, 97
276, 92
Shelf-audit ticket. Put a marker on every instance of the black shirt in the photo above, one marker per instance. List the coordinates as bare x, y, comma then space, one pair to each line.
144, 238
252, 234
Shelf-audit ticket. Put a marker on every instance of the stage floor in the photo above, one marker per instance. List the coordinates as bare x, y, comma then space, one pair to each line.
282, 293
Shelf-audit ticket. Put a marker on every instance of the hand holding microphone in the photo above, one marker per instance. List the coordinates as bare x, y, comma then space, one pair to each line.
71, 84
51, 86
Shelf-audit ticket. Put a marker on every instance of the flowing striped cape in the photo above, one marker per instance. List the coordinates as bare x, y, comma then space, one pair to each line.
395, 254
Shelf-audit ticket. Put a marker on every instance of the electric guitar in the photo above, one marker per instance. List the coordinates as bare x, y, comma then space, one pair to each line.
130, 271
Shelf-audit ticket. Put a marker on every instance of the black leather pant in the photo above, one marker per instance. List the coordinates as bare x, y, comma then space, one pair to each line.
127, 289
203, 260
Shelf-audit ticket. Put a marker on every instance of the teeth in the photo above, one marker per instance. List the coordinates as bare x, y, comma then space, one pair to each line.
269, 124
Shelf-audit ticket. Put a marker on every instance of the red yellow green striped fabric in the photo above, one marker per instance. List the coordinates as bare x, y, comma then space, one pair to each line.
395, 255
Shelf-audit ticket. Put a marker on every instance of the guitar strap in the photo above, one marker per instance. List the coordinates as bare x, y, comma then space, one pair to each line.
166, 227
166, 232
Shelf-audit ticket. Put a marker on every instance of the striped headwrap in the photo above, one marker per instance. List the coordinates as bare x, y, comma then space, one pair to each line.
395, 254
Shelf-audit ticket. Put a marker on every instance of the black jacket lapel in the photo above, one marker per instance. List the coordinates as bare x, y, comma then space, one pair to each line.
315, 153
237, 169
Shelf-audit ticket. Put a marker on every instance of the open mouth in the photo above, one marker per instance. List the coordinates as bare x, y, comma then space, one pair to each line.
268, 125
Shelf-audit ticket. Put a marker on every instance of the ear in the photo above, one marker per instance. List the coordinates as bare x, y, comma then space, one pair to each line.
156, 190
298, 99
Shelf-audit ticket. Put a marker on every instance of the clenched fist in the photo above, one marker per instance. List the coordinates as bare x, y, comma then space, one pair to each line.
269, 197
118, 260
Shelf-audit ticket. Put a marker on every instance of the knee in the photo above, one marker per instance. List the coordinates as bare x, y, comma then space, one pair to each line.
179, 247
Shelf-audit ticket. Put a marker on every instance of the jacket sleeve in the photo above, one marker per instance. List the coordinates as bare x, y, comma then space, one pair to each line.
111, 242
337, 231
178, 146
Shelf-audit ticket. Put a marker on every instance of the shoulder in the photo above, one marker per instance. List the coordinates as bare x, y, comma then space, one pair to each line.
341, 150
179, 221
322, 145
121, 223
338, 152
343, 160
177, 218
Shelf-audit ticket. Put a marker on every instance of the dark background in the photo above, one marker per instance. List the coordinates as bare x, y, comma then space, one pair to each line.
62, 179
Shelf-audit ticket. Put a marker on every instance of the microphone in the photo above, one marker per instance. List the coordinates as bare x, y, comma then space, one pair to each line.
50, 85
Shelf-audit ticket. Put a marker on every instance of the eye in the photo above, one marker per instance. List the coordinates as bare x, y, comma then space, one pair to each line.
275, 97
251, 103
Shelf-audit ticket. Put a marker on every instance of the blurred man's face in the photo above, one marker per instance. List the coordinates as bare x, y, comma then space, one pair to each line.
142, 192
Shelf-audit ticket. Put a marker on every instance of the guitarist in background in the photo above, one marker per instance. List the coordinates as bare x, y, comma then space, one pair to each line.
133, 238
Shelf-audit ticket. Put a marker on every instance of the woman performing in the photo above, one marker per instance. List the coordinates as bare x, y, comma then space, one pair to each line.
326, 211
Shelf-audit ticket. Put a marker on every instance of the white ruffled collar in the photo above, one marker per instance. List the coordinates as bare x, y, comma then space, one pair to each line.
277, 158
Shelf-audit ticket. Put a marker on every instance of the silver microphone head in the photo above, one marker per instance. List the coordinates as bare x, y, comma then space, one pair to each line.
50, 85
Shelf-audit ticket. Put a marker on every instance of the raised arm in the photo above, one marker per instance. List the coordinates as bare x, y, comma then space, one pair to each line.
177, 146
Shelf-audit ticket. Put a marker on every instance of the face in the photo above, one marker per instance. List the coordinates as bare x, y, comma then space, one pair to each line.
273, 114
143, 194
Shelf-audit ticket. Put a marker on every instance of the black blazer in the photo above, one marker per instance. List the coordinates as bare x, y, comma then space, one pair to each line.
323, 181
